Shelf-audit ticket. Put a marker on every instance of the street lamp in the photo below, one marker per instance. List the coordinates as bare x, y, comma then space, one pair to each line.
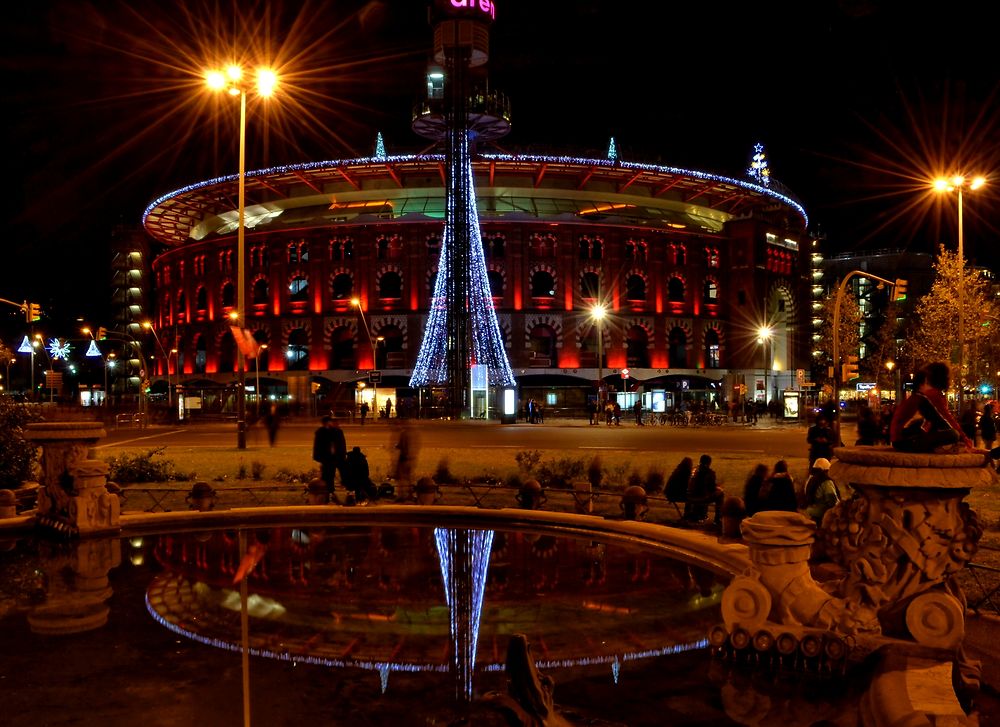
256, 369
374, 342
890, 365
944, 185
764, 334
104, 361
231, 81
149, 327
597, 314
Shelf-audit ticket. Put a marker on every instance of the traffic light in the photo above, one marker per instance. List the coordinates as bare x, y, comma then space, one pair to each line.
32, 312
899, 289
102, 333
850, 369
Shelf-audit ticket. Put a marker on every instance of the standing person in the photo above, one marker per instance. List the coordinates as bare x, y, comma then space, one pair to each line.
330, 450
778, 492
363, 410
637, 410
703, 490
821, 490
820, 439
970, 421
751, 490
868, 428
592, 412
272, 420
988, 427
923, 423
405, 445
609, 412
388, 407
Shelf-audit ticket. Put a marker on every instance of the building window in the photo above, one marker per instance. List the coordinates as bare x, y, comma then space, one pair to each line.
343, 287
675, 290
637, 347
635, 288
382, 248
711, 291
298, 290
677, 355
260, 292
293, 253
712, 257
228, 295
543, 285
201, 300
390, 286
590, 285
297, 354
496, 283
712, 358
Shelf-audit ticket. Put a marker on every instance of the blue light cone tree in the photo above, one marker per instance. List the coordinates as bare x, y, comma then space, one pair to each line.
487, 346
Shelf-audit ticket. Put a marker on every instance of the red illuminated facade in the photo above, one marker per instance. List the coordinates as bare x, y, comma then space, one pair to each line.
689, 265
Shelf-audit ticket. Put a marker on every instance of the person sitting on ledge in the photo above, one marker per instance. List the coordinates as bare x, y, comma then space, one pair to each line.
923, 423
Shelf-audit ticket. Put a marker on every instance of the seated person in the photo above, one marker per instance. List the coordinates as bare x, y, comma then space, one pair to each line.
677, 483
778, 492
356, 476
702, 491
821, 491
923, 423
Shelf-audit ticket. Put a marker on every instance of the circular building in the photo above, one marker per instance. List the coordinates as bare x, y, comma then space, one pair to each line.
705, 279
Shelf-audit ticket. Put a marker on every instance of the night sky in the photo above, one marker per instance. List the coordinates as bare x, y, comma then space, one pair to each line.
857, 102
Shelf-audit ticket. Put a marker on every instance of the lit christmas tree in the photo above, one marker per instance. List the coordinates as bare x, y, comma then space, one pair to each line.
758, 170
379, 147
612, 151
487, 342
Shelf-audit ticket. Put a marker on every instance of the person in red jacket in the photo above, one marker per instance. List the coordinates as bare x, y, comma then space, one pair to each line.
923, 422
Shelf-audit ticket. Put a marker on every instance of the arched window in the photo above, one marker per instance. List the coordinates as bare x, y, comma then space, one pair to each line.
680, 255
597, 249
303, 252
637, 347
543, 285
499, 246
200, 355
201, 300
431, 282
343, 287
542, 344
711, 291
677, 354
298, 290
227, 353
342, 350
382, 248
433, 245
181, 308
260, 292
496, 283
297, 354
675, 290
712, 257
228, 295
635, 288
590, 285
584, 248
390, 286
293, 253
712, 356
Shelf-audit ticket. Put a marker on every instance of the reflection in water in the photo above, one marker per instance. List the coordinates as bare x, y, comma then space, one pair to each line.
465, 559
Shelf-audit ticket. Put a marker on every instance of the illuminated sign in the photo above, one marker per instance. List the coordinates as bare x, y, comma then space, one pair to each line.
484, 6
866, 385
25, 346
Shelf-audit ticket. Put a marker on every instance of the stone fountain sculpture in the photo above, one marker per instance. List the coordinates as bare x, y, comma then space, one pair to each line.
896, 546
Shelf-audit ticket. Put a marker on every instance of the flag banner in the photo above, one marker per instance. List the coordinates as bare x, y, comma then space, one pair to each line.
245, 341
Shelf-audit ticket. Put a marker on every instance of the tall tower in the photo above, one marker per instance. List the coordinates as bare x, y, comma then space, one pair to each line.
462, 328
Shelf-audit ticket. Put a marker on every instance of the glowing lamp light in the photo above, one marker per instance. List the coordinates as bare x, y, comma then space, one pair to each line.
234, 72
267, 81
977, 182
215, 80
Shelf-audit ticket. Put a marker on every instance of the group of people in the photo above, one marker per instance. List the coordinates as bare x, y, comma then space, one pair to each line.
533, 412
330, 451
765, 489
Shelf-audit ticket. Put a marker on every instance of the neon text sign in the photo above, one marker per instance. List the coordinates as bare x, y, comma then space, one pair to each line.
486, 6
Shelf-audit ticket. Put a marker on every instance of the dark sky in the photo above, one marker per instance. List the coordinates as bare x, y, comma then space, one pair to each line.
857, 102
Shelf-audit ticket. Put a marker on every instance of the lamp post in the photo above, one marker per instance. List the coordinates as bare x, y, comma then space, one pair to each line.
231, 81
256, 369
149, 327
890, 365
764, 334
597, 314
373, 341
957, 183
104, 361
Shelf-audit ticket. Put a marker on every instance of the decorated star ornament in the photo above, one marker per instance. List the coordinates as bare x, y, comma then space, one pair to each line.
759, 171
59, 349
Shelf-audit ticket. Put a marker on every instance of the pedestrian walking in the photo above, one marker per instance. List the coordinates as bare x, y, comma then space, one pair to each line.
272, 420
363, 411
637, 410
988, 426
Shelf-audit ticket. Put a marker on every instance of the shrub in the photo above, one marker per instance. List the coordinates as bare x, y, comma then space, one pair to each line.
528, 459
139, 467
286, 475
241, 472
17, 455
655, 480
257, 470
560, 472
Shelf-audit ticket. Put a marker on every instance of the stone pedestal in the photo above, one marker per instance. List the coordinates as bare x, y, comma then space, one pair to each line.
73, 489
78, 587
904, 535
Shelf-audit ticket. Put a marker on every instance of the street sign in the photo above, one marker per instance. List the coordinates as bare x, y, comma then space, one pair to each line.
624, 373
375, 376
